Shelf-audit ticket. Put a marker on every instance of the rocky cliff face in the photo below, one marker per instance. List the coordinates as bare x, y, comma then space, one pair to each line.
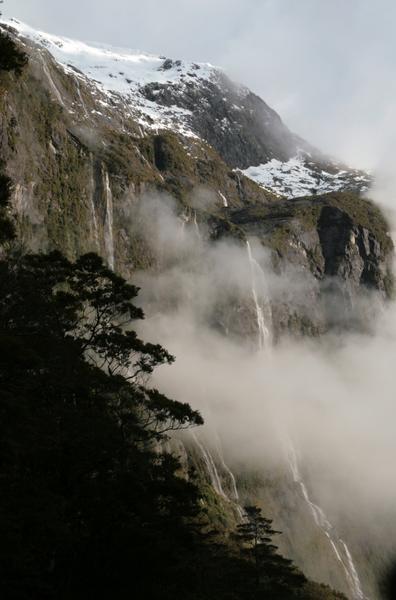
88, 136
337, 243
81, 163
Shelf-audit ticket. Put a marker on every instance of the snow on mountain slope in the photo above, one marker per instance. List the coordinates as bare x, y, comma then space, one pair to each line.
121, 74
301, 176
196, 100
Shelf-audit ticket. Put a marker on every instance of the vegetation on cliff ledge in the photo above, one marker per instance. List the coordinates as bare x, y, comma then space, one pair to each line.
12, 58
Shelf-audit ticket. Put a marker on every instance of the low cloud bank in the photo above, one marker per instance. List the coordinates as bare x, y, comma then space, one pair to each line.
334, 397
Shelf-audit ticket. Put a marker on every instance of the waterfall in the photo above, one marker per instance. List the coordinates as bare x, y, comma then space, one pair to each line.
231, 476
108, 228
214, 475
234, 489
224, 199
338, 546
227, 469
81, 98
354, 577
52, 83
94, 219
186, 218
211, 467
263, 329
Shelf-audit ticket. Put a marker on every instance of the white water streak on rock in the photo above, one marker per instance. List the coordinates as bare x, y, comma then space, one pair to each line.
232, 480
264, 330
81, 98
94, 219
338, 546
108, 228
55, 90
224, 199
227, 469
211, 467
355, 581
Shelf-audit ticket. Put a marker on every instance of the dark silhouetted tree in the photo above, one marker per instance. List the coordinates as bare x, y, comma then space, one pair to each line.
271, 570
85, 496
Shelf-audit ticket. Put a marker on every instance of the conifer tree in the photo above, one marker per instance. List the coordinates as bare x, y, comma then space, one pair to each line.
271, 570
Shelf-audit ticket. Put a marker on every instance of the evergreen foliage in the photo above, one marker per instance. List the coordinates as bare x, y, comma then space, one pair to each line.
90, 506
83, 494
270, 568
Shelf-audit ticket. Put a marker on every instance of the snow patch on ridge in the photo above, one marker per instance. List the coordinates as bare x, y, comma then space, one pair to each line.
299, 176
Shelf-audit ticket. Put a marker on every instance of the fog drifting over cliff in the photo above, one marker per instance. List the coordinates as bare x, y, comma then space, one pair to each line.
334, 397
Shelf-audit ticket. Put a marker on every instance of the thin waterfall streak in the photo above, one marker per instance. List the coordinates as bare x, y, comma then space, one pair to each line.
234, 489
93, 210
264, 333
338, 546
335, 550
211, 467
224, 199
353, 573
108, 229
52, 83
95, 224
227, 469
81, 98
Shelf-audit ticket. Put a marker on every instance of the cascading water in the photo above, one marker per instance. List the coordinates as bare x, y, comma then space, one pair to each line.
55, 90
230, 474
231, 478
338, 546
186, 218
211, 467
263, 329
94, 219
81, 98
224, 199
355, 581
108, 226
214, 474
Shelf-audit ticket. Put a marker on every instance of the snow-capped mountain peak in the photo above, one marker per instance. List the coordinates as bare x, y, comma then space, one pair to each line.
195, 100
122, 74
116, 69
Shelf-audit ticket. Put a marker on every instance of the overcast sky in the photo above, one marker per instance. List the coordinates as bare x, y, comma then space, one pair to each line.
327, 66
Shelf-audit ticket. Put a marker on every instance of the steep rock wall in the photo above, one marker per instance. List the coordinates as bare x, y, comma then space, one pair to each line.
80, 171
